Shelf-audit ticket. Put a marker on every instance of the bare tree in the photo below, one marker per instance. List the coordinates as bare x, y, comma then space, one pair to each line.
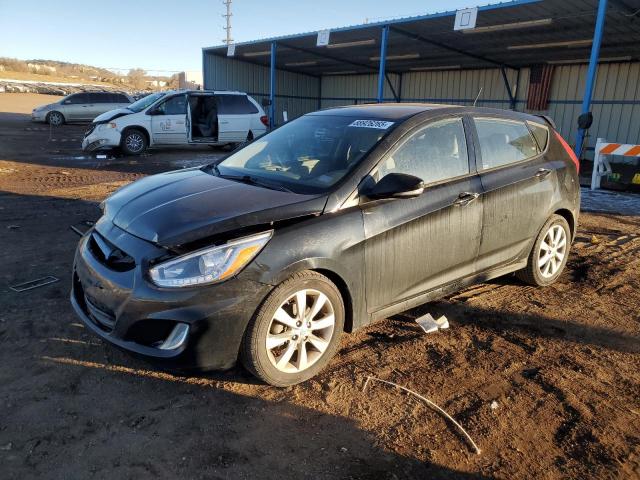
137, 78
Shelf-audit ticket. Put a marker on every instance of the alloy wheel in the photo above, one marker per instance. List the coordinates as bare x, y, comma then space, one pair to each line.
553, 249
134, 142
55, 119
300, 331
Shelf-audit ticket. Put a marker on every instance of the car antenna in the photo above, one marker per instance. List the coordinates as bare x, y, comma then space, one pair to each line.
477, 96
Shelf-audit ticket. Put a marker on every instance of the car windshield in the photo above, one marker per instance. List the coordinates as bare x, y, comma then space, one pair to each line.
308, 155
144, 102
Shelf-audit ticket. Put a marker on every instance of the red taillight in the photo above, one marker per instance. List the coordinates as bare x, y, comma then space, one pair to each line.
265, 120
569, 150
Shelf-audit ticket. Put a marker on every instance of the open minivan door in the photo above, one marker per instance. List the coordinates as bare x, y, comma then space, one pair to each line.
202, 118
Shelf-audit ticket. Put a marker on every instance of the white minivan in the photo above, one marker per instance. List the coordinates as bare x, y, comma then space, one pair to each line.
185, 117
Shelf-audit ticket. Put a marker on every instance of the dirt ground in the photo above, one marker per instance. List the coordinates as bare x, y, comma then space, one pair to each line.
546, 381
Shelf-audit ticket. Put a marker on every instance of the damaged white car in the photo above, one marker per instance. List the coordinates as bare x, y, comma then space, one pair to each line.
187, 117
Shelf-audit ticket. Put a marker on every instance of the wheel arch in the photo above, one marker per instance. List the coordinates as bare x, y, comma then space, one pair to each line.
329, 269
343, 288
144, 131
568, 216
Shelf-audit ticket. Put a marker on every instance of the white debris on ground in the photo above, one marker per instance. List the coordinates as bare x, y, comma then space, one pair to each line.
608, 201
494, 405
430, 325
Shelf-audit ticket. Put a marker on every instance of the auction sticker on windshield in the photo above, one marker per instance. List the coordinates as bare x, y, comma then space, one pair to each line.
371, 124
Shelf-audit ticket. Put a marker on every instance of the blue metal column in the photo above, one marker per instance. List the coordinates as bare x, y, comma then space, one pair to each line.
383, 63
272, 87
593, 69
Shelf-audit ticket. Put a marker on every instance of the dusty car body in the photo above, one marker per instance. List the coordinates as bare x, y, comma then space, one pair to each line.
435, 198
80, 107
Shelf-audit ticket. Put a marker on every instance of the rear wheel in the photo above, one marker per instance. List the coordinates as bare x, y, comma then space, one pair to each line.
549, 254
296, 331
55, 118
133, 142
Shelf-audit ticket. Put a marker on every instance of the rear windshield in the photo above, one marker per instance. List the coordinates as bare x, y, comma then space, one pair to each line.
309, 154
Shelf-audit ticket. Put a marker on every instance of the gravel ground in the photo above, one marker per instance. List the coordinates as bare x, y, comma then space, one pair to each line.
546, 381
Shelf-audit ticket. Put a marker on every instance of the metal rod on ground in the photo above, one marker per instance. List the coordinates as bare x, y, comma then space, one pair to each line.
430, 403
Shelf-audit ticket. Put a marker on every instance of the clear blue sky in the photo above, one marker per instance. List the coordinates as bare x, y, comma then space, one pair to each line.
169, 34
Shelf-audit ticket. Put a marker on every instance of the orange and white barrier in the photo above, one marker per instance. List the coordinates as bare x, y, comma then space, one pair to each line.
601, 165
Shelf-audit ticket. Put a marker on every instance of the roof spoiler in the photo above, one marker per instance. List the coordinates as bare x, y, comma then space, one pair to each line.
549, 120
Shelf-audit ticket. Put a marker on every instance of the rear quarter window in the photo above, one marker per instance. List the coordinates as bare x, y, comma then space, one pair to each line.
503, 142
541, 134
235, 104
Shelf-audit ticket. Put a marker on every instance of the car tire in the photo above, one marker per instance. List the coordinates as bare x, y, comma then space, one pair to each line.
134, 141
55, 118
281, 346
549, 254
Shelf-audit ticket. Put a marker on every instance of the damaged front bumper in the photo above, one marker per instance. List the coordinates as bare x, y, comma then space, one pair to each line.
99, 138
181, 328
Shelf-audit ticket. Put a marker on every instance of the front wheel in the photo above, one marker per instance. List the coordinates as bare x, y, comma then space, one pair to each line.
133, 142
549, 254
55, 119
296, 331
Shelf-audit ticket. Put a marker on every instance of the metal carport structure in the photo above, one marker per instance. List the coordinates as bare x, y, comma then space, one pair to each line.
407, 59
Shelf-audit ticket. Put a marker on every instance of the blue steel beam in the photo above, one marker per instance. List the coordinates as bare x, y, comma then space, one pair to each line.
592, 71
272, 87
383, 62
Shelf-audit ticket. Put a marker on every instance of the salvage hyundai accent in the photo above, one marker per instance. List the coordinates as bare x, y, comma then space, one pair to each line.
325, 224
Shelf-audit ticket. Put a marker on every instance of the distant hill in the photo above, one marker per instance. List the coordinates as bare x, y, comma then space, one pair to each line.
64, 72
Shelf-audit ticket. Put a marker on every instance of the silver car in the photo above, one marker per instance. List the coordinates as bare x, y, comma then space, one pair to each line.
80, 107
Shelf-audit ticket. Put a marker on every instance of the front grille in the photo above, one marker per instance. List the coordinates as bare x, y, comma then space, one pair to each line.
109, 255
100, 314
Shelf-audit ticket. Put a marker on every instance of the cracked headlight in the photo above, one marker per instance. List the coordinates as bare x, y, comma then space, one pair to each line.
209, 265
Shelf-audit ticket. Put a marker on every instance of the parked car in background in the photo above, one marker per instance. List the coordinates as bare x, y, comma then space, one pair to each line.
80, 107
333, 220
186, 117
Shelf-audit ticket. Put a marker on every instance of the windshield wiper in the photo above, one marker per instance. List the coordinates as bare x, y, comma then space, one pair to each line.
252, 181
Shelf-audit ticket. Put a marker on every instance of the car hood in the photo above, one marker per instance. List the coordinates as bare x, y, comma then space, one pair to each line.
176, 208
111, 114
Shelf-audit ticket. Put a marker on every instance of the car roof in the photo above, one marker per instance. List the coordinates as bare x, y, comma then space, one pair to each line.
381, 111
403, 111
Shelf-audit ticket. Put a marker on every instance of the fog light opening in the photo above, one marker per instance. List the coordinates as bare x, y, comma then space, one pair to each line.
176, 338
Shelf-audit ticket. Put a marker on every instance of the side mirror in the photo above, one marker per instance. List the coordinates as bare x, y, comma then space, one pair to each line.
66, 102
395, 185
154, 111
266, 102
585, 120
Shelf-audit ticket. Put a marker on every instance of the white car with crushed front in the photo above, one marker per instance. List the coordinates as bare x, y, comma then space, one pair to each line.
187, 117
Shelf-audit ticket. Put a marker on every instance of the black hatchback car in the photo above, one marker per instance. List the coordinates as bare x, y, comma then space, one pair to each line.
329, 222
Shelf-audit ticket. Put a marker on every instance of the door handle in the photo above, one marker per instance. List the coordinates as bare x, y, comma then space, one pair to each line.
465, 198
542, 173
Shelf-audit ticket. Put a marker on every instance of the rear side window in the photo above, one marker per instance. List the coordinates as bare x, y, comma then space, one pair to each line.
98, 97
78, 98
541, 134
434, 153
235, 104
503, 142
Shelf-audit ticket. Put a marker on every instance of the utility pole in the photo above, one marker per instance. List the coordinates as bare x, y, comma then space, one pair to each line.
228, 40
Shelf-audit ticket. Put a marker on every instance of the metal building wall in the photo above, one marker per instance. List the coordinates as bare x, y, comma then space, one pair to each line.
295, 93
616, 105
353, 89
